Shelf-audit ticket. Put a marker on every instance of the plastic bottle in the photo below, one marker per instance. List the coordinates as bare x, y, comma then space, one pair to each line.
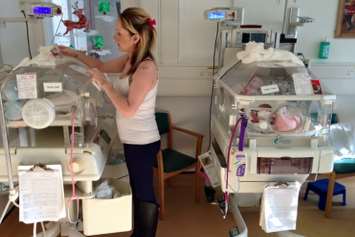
324, 48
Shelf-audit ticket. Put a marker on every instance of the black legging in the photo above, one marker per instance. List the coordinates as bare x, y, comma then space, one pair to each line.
140, 163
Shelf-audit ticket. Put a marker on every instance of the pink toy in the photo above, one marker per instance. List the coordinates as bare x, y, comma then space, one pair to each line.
284, 121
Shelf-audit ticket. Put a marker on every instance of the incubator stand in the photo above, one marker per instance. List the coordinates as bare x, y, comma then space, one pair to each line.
285, 140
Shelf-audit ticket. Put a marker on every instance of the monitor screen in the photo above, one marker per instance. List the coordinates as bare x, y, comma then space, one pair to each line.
253, 36
216, 15
41, 10
258, 37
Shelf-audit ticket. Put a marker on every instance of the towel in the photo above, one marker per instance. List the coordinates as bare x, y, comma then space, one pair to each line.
255, 52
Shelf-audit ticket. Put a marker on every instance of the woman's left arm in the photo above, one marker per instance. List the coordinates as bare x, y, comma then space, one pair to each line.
143, 80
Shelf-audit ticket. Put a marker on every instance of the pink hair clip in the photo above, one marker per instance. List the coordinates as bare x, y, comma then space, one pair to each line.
151, 22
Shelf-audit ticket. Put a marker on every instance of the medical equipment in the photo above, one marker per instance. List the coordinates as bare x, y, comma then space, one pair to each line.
59, 126
40, 9
293, 20
34, 10
233, 33
285, 139
57, 108
273, 114
264, 125
225, 14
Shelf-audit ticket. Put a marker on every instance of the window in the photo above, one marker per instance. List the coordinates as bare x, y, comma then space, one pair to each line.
55, 34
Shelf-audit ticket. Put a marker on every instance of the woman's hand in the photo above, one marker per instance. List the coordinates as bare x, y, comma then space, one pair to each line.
98, 78
62, 50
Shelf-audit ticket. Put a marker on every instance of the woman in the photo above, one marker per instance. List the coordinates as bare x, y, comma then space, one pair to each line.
134, 99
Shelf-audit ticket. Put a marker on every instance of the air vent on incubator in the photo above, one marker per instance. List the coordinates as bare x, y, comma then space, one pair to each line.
38, 113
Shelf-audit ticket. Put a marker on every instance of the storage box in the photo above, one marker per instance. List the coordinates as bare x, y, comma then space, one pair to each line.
103, 216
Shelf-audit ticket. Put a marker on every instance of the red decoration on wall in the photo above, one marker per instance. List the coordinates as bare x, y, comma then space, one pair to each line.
80, 24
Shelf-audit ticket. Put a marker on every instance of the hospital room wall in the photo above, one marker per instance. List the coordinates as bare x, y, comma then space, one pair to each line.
310, 35
323, 11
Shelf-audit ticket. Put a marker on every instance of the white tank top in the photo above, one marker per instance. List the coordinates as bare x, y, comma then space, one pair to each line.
142, 128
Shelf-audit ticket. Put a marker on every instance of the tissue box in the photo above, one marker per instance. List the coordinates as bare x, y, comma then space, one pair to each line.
104, 216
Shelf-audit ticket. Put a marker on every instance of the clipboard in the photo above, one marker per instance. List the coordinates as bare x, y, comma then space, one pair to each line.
41, 193
279, 206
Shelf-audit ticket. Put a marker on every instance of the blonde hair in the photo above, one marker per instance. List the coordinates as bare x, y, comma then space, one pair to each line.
137, 21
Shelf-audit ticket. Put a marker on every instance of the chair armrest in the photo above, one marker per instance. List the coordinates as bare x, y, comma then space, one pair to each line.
186, 131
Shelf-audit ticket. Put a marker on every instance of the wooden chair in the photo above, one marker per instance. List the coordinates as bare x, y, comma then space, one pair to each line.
331, 184
171, 162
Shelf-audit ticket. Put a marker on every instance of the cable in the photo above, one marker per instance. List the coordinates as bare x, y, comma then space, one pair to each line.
212, 88
215, 49
56, 31
226, 193
72, 174
28, 35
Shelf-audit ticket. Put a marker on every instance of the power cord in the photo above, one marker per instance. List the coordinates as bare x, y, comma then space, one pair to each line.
74, 196
212, 88
28, 35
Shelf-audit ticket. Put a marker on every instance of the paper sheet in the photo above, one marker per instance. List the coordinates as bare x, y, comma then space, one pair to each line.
41, 194
279, 207
27, 86
302, 83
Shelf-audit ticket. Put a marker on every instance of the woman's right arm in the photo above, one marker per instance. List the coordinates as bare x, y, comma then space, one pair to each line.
111, 66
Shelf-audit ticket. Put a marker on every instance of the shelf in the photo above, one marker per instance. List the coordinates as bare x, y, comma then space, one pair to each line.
60, 121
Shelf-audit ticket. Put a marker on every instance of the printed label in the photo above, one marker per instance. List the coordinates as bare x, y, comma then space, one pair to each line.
52, 87
269, 89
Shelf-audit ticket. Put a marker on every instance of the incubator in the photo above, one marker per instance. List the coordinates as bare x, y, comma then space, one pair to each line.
283, 124
48, 108
54, 115
270, 121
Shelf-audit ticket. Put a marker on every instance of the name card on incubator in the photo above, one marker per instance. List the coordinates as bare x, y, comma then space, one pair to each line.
269, 89
27, 85
303, 84
52, 87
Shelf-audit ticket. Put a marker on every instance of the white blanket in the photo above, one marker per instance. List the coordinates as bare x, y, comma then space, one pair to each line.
255, 52
46, 59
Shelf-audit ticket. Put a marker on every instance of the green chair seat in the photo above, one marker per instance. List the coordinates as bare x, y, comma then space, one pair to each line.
345, 165
174, 160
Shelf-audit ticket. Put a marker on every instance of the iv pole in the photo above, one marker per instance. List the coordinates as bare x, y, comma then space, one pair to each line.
13, 195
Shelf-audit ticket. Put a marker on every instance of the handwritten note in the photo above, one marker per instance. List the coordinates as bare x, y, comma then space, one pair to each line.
27, 86
41, 194
302, 82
